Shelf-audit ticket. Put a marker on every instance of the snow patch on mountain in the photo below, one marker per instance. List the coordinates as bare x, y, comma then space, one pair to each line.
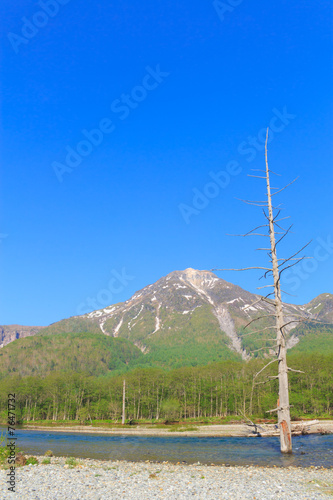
129, 324
116, 330
157, 319
201, 292
233, 300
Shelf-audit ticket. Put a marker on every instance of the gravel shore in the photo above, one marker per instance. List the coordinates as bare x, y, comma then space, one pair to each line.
104, 480
220, 430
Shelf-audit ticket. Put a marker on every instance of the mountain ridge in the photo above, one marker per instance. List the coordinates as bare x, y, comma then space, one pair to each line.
193, 306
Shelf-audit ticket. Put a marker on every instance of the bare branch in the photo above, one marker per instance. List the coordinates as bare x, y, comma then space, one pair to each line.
262, 225
270, 301
265, 381
265, 286
255, 302
259, 331
243, 269
256, 203
256, 319
272, 361
265, 214
291, 265
271, 411
248, 234
278, 225
279, 408
257, 176
265, 274
265, 347
285, 187
277, 215
257, 428
294, 321
287, 293
299, 251
296, 258
296, 371
259, 234
282, 218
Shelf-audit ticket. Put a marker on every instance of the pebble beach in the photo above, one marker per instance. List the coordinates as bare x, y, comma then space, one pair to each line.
105, 480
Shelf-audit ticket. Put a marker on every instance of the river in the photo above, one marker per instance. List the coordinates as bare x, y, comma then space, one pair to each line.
315, 450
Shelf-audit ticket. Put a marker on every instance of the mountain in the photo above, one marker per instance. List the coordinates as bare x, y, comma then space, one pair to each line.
9, 333
193, 317
186, 318
321, 307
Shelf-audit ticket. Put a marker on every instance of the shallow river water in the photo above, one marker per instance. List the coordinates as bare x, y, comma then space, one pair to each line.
308, 450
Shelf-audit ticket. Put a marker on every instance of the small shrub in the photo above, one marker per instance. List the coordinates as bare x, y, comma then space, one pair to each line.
49, 453
71, 461
20, 459
46, 461
32, 461
4, 452
184, 429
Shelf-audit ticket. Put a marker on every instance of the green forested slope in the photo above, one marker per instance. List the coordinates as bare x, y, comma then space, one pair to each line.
95, 354
314, 338
77, 324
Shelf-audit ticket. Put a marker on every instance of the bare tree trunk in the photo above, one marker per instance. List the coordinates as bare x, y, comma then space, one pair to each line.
283, 407
251, 398
211, 397
124, 402
217, 402
157, 407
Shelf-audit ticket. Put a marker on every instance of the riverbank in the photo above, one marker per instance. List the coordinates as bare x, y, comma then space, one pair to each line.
105, 480
226, 430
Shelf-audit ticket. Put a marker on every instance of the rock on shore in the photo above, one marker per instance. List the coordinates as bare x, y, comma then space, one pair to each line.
105, 480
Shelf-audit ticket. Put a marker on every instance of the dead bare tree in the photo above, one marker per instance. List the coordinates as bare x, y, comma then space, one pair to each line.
123, 415
277, 267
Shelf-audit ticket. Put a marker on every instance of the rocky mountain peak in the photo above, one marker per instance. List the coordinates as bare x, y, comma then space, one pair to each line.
202, 279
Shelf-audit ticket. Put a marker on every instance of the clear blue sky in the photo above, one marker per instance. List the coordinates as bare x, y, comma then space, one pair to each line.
180, 90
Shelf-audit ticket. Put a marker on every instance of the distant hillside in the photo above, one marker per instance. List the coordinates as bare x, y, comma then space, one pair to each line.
314, 339
75, 324
321, 307
95, 354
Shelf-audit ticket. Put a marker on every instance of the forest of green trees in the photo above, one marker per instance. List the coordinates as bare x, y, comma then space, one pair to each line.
218, 390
